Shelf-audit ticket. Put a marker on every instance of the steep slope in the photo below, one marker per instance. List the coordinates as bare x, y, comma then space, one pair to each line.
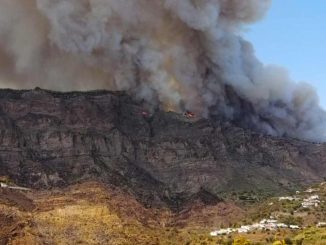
94, 213
50, 139
91, 213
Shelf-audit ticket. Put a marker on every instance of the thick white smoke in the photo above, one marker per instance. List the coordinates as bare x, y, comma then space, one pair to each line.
178, 54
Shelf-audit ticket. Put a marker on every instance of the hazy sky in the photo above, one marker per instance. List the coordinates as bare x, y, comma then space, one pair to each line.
294, 35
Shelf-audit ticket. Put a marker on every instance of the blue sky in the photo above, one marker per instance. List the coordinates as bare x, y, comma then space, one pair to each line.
293, 35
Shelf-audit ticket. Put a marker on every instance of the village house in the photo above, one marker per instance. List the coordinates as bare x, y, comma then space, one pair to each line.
294, 227
265, 224
321, 224
3, 185
288, 198
312, 201
222, 232
311, 190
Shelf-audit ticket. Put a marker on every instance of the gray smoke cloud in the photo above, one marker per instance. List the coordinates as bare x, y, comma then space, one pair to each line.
176, 54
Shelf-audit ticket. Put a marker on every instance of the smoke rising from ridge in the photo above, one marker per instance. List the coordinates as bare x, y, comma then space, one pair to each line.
178, 54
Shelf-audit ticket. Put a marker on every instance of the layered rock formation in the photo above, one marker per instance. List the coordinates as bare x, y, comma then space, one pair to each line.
50, 139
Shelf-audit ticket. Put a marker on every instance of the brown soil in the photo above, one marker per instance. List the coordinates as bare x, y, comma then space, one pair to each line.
92, 213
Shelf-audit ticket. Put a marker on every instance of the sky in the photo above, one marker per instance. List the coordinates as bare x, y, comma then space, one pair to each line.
293, 35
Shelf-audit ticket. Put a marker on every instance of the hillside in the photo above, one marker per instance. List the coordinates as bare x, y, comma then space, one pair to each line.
50, 139
93, 213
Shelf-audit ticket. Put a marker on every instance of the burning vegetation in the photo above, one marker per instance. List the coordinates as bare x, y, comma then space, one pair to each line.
189, 114
184, 55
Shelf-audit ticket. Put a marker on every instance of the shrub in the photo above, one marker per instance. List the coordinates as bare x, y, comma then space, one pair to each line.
228, 242
299, 242
288, 241
269, 239
241, 241
278, 243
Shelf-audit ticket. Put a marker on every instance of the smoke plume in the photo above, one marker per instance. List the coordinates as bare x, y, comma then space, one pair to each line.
176, 54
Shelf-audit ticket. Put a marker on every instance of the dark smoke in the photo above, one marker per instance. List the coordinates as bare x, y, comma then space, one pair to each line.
176, 54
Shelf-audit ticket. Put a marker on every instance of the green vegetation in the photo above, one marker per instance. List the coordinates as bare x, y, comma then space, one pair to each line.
290, 220
112, 218
6, 180
313, 236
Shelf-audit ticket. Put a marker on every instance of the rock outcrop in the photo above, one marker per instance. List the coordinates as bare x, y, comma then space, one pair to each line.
50, 139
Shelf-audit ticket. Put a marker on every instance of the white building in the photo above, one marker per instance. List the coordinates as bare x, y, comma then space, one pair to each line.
321, 224
288, 199
282, 225
3, 185
245, 229
312, 201
265, 224
268, 221
294, 227
311, 190
222, 232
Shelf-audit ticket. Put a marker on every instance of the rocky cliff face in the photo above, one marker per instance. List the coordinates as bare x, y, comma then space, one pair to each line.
50, 139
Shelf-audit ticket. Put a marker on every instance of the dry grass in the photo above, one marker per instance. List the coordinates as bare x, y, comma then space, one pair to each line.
92, 213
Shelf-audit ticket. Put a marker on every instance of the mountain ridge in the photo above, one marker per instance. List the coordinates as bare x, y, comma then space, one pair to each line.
52, 139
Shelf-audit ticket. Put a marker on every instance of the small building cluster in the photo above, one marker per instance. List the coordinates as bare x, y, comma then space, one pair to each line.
312, 201
321, 224
311, 190
289, 198
265, 224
